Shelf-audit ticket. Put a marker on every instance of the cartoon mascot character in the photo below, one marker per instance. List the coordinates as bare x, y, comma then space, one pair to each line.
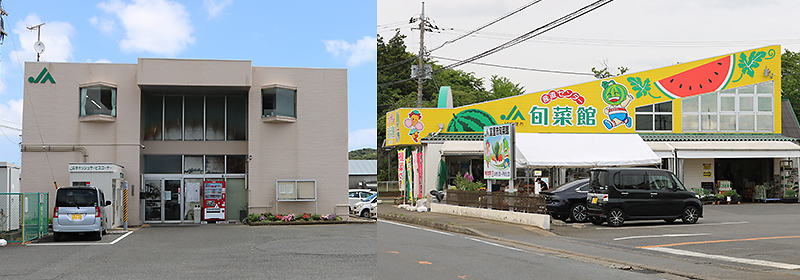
618, 99
414, 124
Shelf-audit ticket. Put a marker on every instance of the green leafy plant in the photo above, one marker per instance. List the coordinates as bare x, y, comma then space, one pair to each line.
731, 193
465, 183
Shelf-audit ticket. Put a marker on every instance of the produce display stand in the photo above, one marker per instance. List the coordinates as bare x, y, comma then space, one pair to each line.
788, 181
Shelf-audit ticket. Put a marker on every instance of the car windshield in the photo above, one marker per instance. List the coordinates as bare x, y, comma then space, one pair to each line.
370, 197
76, 198
571, 185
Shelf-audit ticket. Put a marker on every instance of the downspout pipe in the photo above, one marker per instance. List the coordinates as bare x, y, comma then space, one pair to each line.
47, 148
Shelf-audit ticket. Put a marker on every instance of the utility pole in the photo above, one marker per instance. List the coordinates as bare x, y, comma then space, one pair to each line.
421, 68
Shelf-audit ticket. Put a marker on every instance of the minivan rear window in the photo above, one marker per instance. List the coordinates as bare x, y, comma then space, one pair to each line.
76, 198
599, 181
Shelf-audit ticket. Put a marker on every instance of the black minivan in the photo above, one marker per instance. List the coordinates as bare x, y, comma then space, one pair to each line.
620, 194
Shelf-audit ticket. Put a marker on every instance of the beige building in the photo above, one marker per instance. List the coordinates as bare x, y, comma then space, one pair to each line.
276, 136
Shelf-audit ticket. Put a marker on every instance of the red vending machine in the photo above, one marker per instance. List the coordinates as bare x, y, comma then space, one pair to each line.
214, 200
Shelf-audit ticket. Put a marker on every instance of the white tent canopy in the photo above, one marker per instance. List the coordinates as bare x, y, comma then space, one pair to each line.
581, 150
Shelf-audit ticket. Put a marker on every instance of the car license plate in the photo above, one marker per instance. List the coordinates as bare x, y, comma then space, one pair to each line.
594, 200
77, 216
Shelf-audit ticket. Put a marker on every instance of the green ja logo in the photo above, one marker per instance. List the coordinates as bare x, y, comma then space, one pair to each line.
44, 76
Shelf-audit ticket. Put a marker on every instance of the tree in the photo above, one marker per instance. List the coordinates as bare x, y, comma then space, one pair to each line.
365, 153
604, 73
790, 79
502, 87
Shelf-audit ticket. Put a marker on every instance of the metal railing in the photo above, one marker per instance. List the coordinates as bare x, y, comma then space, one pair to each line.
384, 186
24, 216
517, 202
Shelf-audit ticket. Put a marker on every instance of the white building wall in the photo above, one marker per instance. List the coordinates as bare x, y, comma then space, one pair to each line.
693, 172
430, 162
313, 148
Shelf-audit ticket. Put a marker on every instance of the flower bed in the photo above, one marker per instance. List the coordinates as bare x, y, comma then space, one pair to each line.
305, 218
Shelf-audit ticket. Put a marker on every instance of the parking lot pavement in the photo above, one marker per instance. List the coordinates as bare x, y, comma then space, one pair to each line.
597, 242
332, 251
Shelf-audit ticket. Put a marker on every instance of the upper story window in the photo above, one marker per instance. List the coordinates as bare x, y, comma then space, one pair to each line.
194, 117
279, 103
654, 117
743, 109
98, 99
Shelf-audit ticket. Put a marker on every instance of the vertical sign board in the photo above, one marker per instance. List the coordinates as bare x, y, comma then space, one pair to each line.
498, 152
418, 159
401, 167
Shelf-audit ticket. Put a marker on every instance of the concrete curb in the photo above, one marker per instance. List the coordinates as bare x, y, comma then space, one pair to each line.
431, 224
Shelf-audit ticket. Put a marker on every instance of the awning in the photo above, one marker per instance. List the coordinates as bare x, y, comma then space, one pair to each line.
462, 148
581, 150
727, 149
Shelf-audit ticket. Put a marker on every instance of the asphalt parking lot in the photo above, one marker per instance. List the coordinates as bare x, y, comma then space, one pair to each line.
202, 251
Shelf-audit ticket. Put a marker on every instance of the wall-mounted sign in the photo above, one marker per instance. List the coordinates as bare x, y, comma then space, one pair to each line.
43, 77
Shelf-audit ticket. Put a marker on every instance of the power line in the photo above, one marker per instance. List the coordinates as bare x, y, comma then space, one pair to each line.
519, 68
487, 24
625, 43
531, 34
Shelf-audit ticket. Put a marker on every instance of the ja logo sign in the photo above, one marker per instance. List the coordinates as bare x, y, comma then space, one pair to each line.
44, 76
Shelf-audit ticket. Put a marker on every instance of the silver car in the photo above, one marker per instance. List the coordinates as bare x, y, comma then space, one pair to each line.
79, 210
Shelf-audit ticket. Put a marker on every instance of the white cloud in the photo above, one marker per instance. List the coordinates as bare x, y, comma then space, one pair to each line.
11, 113
363, 50
102, 60
105, 25
55, 36
362, 138
157, 26
215, 7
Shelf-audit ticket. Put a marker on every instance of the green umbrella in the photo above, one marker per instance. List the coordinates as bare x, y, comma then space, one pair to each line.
441, 180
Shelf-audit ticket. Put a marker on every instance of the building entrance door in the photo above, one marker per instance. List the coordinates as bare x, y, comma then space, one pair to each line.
163, 200
173, 203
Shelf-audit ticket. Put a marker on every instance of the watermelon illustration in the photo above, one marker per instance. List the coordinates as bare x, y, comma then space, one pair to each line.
471, 120
709, 77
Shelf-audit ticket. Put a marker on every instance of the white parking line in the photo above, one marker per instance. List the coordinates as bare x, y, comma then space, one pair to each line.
725, 258
425, 229
663, 235
675, 225
80, 244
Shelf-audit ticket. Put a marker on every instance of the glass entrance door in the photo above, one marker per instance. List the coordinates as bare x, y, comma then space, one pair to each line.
152, 200
163, 200
173, 203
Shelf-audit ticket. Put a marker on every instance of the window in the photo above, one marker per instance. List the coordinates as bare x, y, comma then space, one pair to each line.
194, 117
654, 117
744, 109
631, 181
98, 100
278, 102
660, 182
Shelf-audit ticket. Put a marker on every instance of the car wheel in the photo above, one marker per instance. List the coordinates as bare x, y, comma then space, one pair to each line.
596, 220
616, 217
579, 213
690, 214
98, 236
56, 236
669, 221
365, 213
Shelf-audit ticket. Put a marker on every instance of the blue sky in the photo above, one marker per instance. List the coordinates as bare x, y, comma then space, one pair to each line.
318, 34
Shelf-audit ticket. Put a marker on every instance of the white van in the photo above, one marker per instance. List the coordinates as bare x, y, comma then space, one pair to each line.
80, 210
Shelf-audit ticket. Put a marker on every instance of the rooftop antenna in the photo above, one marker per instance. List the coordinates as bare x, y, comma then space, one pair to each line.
38, 46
